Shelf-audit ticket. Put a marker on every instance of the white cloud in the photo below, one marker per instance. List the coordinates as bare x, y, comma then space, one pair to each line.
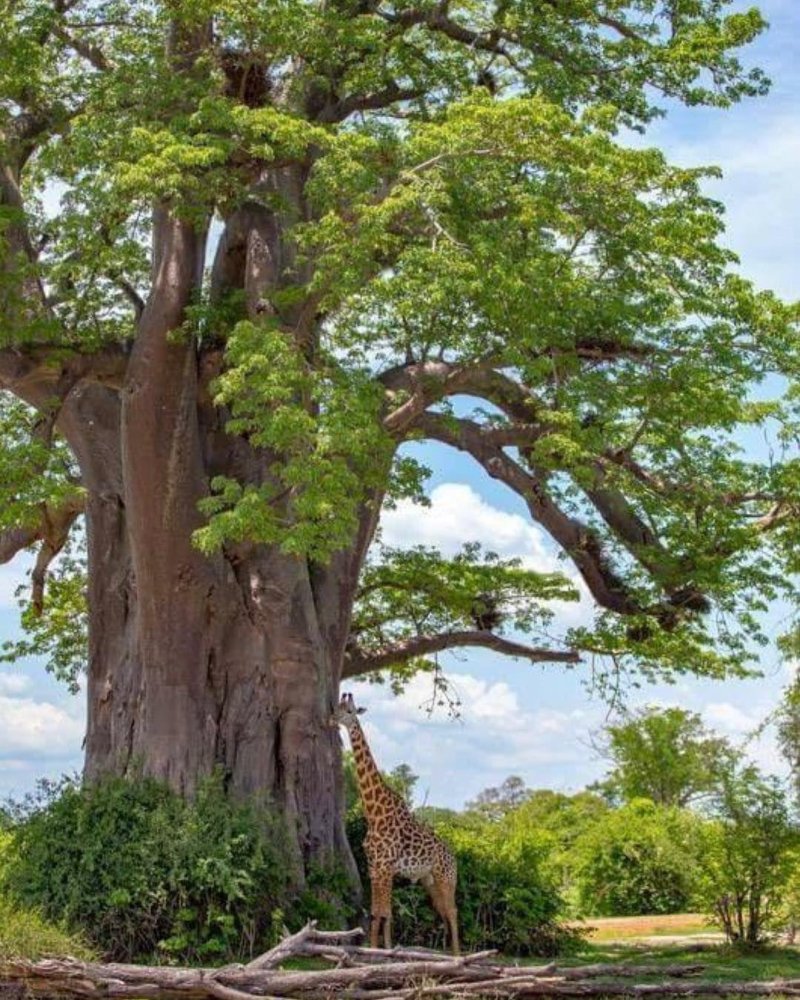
12, 684
730, 719
37, 729
457, 514
495, 736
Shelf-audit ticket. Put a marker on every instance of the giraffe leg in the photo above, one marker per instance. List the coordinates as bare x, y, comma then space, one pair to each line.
452, 916
381, 910
443, 896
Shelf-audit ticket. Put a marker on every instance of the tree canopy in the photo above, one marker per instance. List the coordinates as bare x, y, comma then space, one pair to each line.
370, 223
666, 755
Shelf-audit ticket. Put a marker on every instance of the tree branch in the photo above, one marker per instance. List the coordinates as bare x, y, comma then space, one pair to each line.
436, 20
427, 382
392, 93
33, 371
130, 293
577, 539
91, 53
359, 661
52, 529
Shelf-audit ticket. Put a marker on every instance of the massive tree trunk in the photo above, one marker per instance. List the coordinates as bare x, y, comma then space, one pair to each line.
196, 663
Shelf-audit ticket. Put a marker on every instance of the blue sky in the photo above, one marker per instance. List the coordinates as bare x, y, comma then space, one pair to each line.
516, 718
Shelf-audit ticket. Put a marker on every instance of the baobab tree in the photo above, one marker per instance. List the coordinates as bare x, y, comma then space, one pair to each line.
252, 250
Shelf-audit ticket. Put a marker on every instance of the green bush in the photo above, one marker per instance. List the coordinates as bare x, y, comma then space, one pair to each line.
505, 898
640, 858
140, 871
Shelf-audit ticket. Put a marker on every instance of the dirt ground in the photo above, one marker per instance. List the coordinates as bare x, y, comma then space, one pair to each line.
673, 928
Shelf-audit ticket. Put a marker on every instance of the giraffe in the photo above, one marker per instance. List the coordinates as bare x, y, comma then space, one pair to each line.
396, 842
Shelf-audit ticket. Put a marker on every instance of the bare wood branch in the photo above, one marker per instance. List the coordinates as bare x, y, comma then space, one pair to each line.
287, 947
359, 662
33, 371
392, 93
574, 537
14, 540
91, 53
58, 525
404, 976
131, 294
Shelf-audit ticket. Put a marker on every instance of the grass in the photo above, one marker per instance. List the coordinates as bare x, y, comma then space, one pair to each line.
25, 934
720, 962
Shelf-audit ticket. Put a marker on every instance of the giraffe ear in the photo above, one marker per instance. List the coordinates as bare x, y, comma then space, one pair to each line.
360, 711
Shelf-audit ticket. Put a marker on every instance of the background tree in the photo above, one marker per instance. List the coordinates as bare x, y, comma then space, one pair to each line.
788, 732
249, 252
640, 858
403, 780
750, 860
663, 754
495, 803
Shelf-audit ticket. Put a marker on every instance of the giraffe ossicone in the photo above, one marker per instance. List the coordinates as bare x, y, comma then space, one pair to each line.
397, 843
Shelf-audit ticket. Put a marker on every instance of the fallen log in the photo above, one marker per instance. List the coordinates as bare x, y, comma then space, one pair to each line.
362, 973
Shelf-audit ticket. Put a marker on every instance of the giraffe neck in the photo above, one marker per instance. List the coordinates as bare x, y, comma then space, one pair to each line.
371, 785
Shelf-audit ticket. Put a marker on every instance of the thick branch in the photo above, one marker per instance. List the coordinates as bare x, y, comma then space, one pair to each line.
427, 382
574, 537
131, 294
14, 540
22, 299
436, 19
392, 93
91, 53
637, 537
52, 529
360, 661
32, 372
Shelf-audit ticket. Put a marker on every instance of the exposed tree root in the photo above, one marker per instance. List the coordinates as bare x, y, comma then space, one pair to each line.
361, 973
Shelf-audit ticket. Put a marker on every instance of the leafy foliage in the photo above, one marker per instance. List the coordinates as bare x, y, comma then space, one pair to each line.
452, 215
640, 858
58, 631
663, 754
139, 871
35, 470
322, 421
788, 731
495, 803
417, 591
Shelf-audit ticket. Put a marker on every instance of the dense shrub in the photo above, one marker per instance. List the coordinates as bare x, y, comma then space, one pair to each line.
505, 898
141, 871
640, 858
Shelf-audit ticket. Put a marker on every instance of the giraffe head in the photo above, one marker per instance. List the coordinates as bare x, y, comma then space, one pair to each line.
347, 714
